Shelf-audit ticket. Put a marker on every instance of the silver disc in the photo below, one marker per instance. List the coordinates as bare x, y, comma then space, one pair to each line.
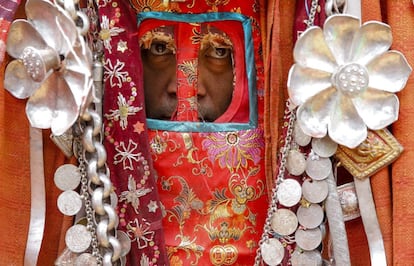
284, 222
69, 202
86, 259
125, 242
78, 238
310, 217
289, 192
315, 191
308, 239
272, 252
67, 177
300, 137
318, 168
306, 258
324, 147
296, 162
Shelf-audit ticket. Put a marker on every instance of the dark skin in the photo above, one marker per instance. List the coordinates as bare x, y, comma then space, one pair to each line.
215, 82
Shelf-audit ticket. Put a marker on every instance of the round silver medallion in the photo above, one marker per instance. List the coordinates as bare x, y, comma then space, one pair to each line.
318, 168
78, 238
125, 242
272, 252
308, 239
67, 177
306, 258
69, 202
296, 162
284, 222
315, 191
324, 147
310, 217
300, 137
289, 192
86, 259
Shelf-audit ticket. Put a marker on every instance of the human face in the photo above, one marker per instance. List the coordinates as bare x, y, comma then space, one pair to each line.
214, 81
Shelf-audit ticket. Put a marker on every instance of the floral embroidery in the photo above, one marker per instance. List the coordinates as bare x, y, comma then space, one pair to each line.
108, 32
153, 5
234, 149
123, 111
134, 193
189, 69
140, 232
114, 72
139, 127
126, 155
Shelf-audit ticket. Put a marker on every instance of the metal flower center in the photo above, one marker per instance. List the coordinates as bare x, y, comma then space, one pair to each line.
352, 79
39, 62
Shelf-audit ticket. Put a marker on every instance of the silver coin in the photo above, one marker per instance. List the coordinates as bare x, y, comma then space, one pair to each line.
69, 202
296, 162
289, 192
308, 239
86, 259
310, 217
125, 242
324, 147
284, 222
318, 168
315, 191
272, 251
300, 137
67, 177
306, 258
78, 238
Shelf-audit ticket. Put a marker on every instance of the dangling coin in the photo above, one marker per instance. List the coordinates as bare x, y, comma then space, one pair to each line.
272, 252
310, 217
67, 177
78, 238
125, 242
300, 137
69, 202
289, 192
324, 147
86, 259
315, 191
308, 239
306, 258
318, 168
296, 162
284, 222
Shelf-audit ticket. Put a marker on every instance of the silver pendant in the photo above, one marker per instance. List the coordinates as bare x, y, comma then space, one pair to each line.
308, 239
315, 191
289, 192
78, 238
284, 222
69, 202
310, 217
86, 259
67, 177
295, 163
324, 147
318, 168
272, 251
308, 258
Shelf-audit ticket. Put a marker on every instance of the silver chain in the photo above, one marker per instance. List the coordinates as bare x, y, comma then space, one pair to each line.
311, 16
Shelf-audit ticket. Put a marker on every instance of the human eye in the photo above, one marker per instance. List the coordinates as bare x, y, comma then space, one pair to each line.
160, 48
218, 52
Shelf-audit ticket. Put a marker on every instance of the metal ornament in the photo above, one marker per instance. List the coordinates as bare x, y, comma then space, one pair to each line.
272, 252
67, 177
78, 238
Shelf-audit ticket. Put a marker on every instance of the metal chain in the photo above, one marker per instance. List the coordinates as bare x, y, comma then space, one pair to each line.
311, 16
280, 177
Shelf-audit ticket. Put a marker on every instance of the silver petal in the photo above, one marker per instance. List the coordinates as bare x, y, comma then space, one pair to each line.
52, 106
346, 127
312, 51
303, 83
21, 35
313, 116
389, 72
372, 39
17, 81
57, 29
78, 84
339, 31
377, 109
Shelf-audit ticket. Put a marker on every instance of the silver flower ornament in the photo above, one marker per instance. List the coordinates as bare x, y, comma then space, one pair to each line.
344, 79
52, 66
